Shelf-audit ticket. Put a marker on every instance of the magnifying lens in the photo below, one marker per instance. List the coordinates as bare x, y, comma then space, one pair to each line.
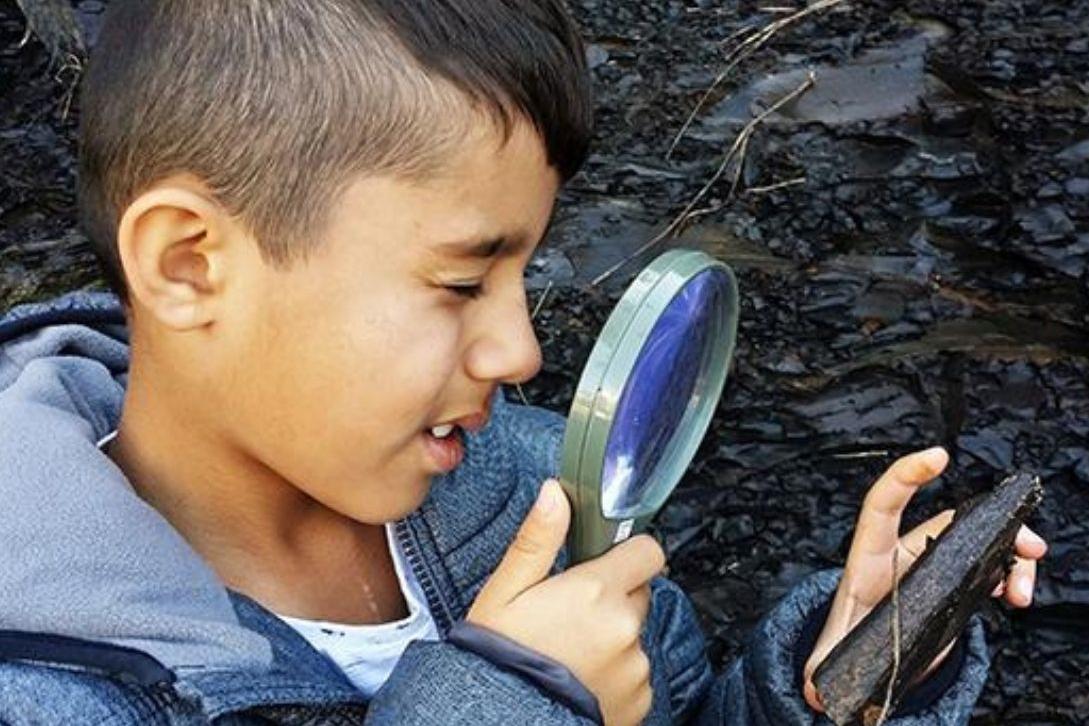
646, 397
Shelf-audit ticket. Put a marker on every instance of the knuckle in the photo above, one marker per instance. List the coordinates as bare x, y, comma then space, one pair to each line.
642, 667
525, 545
656, 555
593, 588
646, 553
630, 626
621, 632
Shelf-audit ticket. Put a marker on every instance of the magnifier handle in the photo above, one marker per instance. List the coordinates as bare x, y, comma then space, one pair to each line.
591, 536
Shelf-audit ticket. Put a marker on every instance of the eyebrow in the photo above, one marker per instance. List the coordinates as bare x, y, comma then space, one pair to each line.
482, 249
491, 246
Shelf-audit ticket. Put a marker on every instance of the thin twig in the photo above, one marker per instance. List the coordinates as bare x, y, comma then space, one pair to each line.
739, 165
521, 394
737, 150
73, 63
776, 186
861, 455
743, 51
895, 636
540, 301
750, 191
743, 30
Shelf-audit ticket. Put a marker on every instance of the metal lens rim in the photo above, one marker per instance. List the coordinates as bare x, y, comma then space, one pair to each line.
611, 363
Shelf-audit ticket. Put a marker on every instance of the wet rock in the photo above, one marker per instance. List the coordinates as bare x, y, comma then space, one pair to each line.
989, 447
1046, 224
733, 530
1078, 187
884, 82
949, 119
596, 55
1075, 152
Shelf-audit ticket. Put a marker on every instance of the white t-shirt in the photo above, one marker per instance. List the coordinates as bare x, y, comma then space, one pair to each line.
367, 653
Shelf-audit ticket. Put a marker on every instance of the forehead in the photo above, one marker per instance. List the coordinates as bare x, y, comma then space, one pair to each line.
492, 187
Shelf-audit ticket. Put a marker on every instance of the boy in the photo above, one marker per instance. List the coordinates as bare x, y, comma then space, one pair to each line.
273, 479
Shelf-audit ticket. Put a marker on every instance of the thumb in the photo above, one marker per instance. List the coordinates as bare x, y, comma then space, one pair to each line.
530, 556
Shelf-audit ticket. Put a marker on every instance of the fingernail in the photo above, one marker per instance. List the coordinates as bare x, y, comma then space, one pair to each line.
1024, 589
547, 499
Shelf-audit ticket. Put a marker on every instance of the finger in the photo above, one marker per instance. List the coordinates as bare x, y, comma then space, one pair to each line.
1029, 544
630, 564
632, 679
812, 697
1020, 582
845, 613
938, 660
878, 528
533, 551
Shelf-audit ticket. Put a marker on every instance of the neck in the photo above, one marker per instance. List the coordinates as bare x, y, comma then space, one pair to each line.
261, 534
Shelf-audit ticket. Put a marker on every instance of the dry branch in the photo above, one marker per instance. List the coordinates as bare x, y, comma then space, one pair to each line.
756, 40
737, 151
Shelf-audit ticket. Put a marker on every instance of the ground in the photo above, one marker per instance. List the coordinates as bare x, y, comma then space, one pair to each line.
920, 277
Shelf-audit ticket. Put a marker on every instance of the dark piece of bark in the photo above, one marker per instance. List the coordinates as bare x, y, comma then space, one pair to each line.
937, 595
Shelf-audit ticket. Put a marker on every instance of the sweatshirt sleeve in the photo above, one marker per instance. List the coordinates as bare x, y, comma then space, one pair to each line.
439, 682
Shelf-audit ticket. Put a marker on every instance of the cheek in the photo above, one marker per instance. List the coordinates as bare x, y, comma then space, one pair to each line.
369, 380
334, 398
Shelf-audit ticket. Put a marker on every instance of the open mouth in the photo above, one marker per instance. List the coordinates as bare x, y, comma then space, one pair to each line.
443, 431
446, 445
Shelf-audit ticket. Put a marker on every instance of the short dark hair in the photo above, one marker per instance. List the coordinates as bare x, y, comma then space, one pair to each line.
278, 104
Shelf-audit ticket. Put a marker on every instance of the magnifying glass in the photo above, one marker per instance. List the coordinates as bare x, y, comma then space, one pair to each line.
646, 397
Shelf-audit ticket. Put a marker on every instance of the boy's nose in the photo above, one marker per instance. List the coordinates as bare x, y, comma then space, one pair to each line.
506, 348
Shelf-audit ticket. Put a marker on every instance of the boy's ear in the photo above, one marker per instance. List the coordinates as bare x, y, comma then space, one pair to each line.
172, 241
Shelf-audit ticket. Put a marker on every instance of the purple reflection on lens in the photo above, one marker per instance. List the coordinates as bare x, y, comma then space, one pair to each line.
658, 392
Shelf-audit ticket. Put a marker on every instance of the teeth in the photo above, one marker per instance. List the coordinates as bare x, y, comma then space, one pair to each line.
441, 432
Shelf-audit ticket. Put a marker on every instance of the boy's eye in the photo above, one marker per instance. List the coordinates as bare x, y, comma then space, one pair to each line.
470, 290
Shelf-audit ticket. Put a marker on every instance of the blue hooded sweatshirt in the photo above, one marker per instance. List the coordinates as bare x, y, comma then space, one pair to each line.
107, 616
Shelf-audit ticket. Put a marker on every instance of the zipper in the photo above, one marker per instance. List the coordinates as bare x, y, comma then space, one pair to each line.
410, 545
163, 696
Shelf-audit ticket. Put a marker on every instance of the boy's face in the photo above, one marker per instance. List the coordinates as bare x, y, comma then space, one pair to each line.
337, 374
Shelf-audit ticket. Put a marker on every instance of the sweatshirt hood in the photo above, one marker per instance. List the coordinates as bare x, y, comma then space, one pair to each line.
83, 555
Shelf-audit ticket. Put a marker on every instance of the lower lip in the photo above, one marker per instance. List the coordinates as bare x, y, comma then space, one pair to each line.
446, 453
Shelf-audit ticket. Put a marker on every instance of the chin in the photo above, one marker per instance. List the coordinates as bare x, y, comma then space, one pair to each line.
410, 497
397, 497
